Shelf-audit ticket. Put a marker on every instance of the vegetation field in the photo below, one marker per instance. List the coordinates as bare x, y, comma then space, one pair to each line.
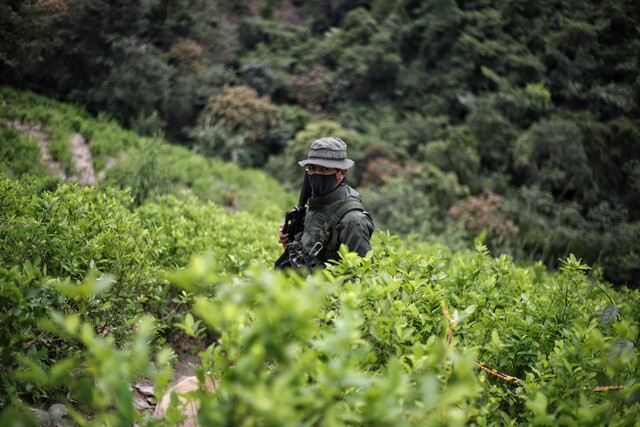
169, 255
514, 118
148, 152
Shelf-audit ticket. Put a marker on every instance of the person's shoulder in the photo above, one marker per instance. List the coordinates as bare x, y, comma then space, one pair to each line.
352, 194
355, 215
356, 219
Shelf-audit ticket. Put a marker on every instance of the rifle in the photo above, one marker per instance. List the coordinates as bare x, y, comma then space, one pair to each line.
294, 224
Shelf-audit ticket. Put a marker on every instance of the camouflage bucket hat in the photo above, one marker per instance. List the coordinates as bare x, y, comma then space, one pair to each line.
330, 152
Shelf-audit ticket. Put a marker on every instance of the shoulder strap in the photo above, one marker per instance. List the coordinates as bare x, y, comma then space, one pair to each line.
336, 216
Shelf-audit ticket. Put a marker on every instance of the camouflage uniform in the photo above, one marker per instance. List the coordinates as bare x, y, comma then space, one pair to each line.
354, 229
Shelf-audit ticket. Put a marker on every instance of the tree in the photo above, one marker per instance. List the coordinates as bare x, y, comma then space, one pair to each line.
484, 213
415, 199
99, 31
456, 153
245, 116
32, 35
367, 57
313, 89
552, 155
136, 90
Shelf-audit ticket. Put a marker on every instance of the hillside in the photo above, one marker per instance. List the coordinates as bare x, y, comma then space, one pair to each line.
515, 121
47, 138
168, 258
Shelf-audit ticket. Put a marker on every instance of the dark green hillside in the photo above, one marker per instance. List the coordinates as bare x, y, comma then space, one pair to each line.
514, 120
118, 157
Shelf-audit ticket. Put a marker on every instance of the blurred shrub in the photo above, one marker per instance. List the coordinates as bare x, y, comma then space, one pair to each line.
261, 76
82, 251
496, 134
149, 166
240, 109
253, 31
293, 119
178, 171
484, 213
455, 154
58, 121
415, 200
246, 117
19, 153
552, 154
187, 54
313, 89
547, 228
136, 88
363, 53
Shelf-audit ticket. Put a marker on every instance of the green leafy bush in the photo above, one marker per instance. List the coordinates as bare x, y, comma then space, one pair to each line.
56, 240
414, 200
252, 31
58, 121
295, 350
148, 166
235, 122
19, 154
391, 338
372, 341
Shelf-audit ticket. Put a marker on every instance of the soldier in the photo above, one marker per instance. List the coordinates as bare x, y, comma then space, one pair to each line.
335, 214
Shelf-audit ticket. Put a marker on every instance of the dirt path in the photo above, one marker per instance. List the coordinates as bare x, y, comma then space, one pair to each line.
82, 160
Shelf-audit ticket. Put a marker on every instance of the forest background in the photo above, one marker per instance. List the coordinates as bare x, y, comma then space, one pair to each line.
515, 120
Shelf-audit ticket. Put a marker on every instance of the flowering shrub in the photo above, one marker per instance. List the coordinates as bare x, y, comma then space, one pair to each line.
313, 89
482, 212
241, 110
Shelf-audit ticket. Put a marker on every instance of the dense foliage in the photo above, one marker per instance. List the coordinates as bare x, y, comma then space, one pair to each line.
513, 125
106, 285
83, 251
535, 102
391, 338
147, 165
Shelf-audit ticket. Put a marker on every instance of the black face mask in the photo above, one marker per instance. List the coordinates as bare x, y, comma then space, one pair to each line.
322, 184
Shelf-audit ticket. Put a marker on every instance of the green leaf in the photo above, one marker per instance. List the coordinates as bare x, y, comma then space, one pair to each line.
124, 404
188, 320
60, 371
461, 317
619, 346
608, 313
33, 371
90, 287
538, 405
591, 293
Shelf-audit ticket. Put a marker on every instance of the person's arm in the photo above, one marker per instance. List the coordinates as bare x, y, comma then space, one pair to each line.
355, 230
